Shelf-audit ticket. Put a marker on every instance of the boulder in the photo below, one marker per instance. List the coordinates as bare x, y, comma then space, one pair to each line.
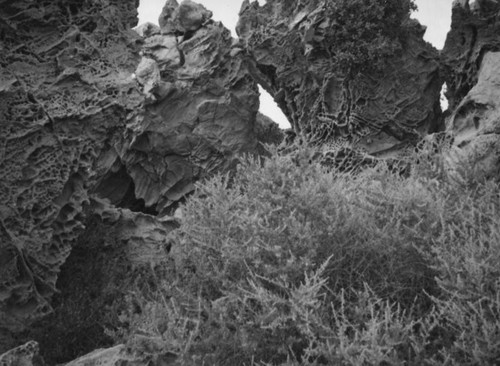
184, 18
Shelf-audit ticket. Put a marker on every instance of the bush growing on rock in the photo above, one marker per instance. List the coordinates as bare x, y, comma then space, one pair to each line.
361, 34
287, 263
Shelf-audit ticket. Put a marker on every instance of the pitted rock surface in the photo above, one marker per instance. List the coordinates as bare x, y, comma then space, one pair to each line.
84, 113
475, 30
475, 124
379, 112
471, 58
66, 92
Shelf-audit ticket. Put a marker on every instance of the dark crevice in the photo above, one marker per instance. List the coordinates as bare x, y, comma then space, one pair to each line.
119, 188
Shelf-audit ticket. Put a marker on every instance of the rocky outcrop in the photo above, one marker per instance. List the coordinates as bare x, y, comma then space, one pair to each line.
471, 59
67, 93
200, 108
380, 111
119, 255
92, 109
474, 32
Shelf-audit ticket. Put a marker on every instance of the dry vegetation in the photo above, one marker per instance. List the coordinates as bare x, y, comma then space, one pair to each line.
285, 263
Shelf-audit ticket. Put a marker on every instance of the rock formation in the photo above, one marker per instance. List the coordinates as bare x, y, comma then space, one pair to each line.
67, 93
379, 111
200, 107
470, 60
86, 113
103, 129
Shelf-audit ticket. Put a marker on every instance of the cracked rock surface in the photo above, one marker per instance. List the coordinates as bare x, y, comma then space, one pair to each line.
91, 108
471, 59
66, 92
380, 112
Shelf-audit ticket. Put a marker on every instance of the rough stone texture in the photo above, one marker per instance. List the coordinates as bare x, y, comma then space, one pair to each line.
379, 113
85, 114
201, 105
180, 19
475, 124
471, 59
475, 30
120, 254
66, 90
25, 355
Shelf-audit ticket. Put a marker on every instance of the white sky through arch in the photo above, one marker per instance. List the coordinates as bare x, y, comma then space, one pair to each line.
435, 14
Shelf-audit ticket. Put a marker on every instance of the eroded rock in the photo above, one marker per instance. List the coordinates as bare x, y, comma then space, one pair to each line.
186, 17
471, 58
380, 112
66, 91
474, 31
84, 113
201, 105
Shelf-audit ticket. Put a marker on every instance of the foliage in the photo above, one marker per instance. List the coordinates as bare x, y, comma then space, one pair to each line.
362, 33
285, 263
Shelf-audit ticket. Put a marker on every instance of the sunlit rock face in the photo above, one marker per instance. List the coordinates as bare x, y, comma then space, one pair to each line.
91, 108
379, 112
66, 94
471, 59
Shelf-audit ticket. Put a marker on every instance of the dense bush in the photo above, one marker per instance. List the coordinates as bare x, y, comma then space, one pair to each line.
362, 33
286, 263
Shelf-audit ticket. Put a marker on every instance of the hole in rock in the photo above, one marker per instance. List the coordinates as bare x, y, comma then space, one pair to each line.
269, 108
119, 188
227, 12
444, 99
93, 285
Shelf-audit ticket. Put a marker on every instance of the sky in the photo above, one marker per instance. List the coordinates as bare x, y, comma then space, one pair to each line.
435, 14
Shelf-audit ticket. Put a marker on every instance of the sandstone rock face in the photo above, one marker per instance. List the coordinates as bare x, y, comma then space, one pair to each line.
85, 114
66, 90
474, 31
200, 110
475, 124
119, 254
471, 58
379, 112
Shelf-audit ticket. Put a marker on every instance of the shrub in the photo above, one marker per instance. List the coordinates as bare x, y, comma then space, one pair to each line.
285, 263
363, 33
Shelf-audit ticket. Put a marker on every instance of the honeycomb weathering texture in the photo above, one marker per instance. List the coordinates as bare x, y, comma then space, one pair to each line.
377, 111
82, 115
66, 91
